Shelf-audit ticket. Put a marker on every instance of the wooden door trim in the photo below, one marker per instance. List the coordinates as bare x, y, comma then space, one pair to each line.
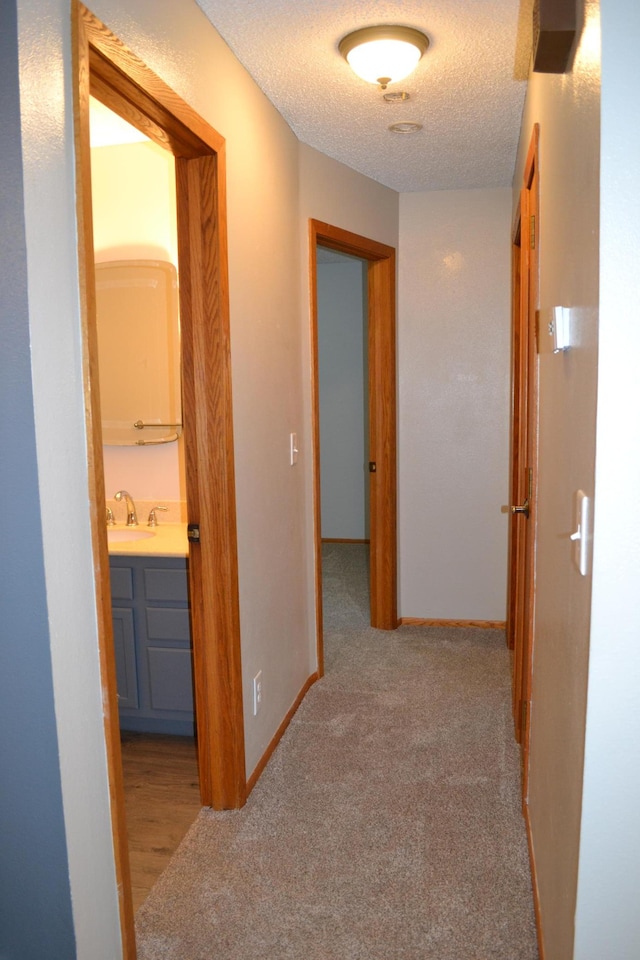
524, 446
381, 274
516, 420
532, 187
103, 66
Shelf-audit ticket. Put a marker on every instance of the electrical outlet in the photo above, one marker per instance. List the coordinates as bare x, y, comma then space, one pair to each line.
257, 692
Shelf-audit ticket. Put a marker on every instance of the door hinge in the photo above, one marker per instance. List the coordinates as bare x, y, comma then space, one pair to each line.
193, 532
372, 466
532, 231
530, 483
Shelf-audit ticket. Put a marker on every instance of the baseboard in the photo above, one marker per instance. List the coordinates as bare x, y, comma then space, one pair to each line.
483, 624
534, 881
266, 756
342, 540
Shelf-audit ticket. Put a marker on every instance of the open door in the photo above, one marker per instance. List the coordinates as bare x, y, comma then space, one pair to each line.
381, 273
524, 453
104, 67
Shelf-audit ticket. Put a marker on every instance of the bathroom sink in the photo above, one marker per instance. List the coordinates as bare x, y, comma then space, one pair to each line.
120, 536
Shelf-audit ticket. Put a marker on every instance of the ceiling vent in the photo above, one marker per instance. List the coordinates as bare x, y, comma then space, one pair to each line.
554, 30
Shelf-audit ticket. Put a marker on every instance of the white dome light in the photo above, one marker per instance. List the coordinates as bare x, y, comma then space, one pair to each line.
383, 54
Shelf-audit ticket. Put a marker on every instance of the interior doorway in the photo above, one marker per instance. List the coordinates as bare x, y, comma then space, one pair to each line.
343, 396
381, 341
135, 247
106, 69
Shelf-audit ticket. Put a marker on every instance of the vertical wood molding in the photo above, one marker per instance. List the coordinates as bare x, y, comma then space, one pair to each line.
532, 186
315, 430
215, 614
534, 881
382, 406
80, 58
516, 423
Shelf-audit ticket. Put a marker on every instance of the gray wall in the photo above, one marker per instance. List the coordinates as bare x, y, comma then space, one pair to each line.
567, 108
453, 403
35, 900
342, 352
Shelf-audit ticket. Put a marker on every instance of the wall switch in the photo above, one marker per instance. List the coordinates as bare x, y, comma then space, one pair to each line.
581, 536
257, 692
559, 325
293, 448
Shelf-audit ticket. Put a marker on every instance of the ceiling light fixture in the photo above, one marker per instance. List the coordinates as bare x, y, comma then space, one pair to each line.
385, 53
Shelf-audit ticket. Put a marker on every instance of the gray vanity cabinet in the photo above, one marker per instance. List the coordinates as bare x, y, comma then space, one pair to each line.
152, 644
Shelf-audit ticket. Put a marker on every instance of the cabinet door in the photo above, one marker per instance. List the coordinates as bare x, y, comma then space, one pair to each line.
125, 654
170, 679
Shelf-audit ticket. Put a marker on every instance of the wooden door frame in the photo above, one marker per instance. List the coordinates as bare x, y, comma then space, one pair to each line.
104, 67
381, 312
524, 449
518, 419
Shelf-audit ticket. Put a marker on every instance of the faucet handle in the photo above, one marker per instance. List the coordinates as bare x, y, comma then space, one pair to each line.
110, 518
153, 520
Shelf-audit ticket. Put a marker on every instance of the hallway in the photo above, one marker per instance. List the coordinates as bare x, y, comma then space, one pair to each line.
387, 824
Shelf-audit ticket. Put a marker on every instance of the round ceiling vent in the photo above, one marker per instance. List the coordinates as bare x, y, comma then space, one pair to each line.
405, 127
396, 96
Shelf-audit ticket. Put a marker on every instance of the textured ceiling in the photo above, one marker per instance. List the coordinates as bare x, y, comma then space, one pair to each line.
467, 91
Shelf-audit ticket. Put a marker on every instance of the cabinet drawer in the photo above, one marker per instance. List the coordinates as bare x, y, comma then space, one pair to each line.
165, 584
166, 623
121, 583
170, 679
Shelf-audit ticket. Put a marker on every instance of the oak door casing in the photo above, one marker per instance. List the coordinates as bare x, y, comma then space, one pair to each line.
381, 281
524, 448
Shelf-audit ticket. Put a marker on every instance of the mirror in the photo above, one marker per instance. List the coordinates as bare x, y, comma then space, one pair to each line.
139, 351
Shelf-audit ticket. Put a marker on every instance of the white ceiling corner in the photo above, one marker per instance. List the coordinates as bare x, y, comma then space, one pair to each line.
467, 92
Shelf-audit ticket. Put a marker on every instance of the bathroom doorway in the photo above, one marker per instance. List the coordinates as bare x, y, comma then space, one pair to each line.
135, 247
106, 69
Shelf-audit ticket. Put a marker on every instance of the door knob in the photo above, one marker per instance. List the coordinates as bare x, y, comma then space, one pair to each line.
522, 509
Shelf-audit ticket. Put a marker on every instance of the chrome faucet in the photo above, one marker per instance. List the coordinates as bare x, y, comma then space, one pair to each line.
132, 519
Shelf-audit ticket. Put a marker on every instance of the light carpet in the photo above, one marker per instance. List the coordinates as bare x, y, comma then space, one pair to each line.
387, 825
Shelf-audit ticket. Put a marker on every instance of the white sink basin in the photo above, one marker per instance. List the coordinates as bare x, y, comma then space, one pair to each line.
120, 536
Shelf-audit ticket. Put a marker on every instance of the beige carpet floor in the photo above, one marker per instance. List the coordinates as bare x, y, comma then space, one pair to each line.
387, 825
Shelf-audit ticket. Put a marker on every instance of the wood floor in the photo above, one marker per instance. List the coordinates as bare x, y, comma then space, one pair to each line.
162, 801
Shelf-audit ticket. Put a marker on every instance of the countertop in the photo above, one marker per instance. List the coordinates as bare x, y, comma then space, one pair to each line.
168, 540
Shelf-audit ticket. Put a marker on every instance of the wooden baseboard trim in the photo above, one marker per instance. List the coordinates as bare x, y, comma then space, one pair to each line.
483, 624
534, 882
266, 756
342, 540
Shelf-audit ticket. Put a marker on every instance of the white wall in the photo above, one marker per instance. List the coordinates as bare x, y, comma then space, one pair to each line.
342, 362
607, 916
134, 217
567, 108
453, 356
